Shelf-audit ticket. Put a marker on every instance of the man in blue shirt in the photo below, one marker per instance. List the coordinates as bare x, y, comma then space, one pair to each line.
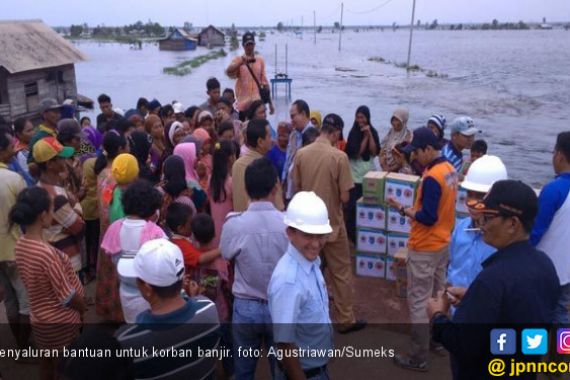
463, 133
551, 232
467, 249
517, 286
255, 240
298, 299
300, 120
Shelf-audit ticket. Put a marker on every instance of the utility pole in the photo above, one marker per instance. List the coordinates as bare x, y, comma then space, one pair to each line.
340, 31
411, 33
315, 25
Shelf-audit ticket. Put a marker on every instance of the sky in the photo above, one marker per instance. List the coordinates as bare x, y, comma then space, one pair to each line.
290, 12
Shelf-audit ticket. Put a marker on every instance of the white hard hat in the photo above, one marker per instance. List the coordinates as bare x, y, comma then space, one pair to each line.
483, 173
308, 213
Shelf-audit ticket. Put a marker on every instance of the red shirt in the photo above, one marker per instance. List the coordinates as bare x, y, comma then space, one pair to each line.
189, 252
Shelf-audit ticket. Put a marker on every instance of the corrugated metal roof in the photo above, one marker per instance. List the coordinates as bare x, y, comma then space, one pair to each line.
32, 45
212, 27
183, 33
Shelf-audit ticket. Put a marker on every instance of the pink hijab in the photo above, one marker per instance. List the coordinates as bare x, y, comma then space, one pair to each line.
187, 151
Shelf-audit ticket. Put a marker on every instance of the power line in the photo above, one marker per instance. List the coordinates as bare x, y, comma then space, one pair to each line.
370, 10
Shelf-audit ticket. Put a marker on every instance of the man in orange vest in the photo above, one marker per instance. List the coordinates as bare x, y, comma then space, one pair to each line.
433, 217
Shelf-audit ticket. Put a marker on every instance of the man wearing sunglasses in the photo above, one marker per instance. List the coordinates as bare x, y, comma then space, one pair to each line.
517, 286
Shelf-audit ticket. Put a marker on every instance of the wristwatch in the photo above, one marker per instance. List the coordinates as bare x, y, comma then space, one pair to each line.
402, 211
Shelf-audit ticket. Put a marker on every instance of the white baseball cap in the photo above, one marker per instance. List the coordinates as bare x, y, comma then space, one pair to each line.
178, 107
158, 263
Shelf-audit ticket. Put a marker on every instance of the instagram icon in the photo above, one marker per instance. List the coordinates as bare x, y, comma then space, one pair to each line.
563, 341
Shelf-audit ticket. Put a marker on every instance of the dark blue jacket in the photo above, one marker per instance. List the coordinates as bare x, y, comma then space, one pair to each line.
518, 288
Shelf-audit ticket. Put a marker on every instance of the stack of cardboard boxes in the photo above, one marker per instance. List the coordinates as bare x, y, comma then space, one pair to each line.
381, 231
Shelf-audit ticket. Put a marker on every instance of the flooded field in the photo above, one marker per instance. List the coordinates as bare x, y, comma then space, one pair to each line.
515, 84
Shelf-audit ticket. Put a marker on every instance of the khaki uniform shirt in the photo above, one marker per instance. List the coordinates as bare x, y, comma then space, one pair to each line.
323, 169
240, 197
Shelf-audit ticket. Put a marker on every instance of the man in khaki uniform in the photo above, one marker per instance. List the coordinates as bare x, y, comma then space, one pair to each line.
323, 169
259, 143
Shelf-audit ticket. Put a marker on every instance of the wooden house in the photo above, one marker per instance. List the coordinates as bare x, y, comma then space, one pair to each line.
178, 39
211, 37
35, 63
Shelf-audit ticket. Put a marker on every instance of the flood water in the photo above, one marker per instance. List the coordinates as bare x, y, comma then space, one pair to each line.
515, 84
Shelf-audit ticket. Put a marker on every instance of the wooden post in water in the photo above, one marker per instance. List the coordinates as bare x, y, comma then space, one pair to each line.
340, 31
411, 33
286, 60
315, 26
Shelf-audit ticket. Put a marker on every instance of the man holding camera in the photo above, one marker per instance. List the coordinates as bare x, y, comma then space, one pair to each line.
252, 83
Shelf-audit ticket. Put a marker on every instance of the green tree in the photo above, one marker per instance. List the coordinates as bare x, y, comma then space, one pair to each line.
495, 24
76, 30
337, 25
434, 24
280, 26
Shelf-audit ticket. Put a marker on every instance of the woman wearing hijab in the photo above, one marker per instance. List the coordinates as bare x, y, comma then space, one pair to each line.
316, 119
173, 133
398, 133
158, 151
187, 151
140, 144
361, 147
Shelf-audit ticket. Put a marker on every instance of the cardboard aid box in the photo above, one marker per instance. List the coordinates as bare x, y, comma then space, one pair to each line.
369, 216
401, 187
396, 271
371, 241
460, 205
369, 266
396, 241
373, 187
397, 223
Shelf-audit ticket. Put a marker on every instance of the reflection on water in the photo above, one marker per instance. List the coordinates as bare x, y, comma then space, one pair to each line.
515, 84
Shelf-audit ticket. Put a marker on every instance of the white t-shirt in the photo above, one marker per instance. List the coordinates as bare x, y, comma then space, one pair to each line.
132, 301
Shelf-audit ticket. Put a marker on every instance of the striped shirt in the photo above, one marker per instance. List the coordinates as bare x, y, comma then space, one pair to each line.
51, 283
67, 226
453, 156
182, 334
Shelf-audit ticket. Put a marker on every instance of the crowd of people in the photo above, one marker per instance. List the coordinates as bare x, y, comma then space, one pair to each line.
207, 216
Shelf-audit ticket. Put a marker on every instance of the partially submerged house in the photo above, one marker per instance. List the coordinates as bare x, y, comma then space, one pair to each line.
178, 39
211, 37
35, 63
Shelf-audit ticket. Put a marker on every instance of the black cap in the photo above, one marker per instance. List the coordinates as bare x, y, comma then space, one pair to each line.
511, 198
422, 138
248, 38
334, 121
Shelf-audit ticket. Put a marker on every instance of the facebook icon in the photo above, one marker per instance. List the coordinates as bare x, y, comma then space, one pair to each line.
503, 341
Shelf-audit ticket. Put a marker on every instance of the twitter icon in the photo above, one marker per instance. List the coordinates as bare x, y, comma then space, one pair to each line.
534, 341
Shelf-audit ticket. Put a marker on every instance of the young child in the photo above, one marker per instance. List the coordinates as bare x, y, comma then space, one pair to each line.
203, 233
204, 166
478, 149
179, 221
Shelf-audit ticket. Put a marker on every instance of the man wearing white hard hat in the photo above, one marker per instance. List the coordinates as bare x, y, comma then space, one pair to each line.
467, 249
298, 298
173, 323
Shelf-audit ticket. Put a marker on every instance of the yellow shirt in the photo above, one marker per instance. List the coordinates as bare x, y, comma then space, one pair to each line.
12, 184
89, 204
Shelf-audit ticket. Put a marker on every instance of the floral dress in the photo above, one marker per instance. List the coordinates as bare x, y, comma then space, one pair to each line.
107, 300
